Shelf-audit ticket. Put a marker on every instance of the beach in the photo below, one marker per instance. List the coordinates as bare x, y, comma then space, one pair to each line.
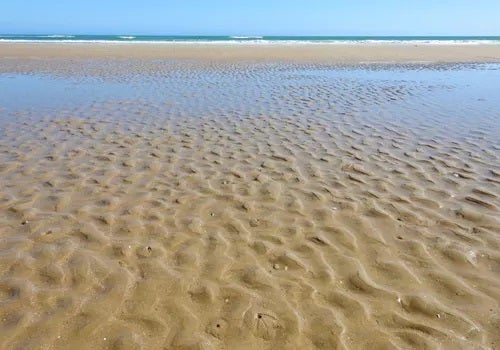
258, 52
249, 197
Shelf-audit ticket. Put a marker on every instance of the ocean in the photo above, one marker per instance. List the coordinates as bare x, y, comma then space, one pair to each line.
242, 39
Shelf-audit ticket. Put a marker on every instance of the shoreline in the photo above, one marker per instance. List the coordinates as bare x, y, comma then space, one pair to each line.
316, 53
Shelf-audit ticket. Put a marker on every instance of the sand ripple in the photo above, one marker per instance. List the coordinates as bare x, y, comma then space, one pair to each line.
129, 225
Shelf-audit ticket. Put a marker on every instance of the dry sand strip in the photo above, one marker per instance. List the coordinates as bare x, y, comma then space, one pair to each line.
260, 52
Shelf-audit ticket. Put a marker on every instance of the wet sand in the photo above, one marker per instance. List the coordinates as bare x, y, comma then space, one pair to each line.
260, 52
248, 206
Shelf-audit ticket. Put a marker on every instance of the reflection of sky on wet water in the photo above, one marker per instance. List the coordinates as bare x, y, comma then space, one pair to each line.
21, 92
437, 98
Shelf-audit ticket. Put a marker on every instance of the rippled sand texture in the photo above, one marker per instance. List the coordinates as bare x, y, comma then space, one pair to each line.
272, 208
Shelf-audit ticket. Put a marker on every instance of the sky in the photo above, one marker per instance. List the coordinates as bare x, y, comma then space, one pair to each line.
251, 17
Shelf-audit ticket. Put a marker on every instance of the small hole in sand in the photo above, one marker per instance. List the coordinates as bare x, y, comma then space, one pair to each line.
218, 325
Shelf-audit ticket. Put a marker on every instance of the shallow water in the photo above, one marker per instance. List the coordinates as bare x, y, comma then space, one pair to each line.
182, 204
456, 93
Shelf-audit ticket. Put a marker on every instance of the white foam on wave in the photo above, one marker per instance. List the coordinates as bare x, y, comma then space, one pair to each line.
55, 36
246, 37
260, 42
128, 37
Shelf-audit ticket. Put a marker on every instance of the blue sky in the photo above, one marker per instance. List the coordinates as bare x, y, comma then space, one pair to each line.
252, 17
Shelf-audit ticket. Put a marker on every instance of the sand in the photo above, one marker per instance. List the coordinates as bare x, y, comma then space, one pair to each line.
261, 52
248, 206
